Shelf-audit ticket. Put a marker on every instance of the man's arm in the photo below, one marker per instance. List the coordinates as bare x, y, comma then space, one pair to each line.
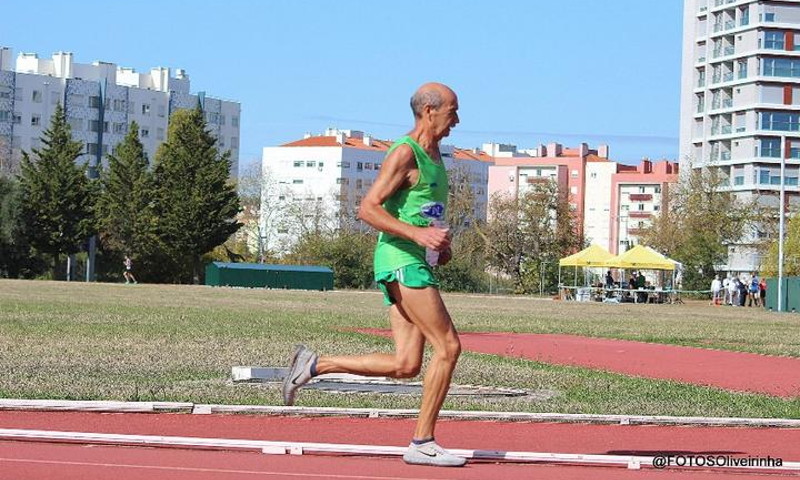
399, 170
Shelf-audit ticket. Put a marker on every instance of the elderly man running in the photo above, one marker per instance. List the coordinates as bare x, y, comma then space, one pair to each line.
407, 205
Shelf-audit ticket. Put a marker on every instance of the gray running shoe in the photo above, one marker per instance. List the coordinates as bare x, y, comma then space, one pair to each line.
299, 372
430, 453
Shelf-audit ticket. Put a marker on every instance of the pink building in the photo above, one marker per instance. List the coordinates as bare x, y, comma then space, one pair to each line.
612, 202
637, 194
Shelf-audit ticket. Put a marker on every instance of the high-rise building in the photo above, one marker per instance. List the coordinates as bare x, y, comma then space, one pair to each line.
101, 100
740, 102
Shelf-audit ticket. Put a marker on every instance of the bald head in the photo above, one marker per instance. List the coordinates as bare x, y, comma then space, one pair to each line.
431, 94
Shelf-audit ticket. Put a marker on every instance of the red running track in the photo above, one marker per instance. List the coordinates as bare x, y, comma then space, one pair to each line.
25, 460
743, 372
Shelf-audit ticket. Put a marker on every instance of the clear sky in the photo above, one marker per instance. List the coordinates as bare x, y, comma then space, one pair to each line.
526, 72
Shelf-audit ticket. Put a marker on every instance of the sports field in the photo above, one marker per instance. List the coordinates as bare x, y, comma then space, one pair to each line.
178, 343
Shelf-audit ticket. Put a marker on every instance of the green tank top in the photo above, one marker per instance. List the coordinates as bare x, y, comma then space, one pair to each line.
420, 205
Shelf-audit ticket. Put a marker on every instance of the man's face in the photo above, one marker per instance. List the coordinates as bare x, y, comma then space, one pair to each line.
446, 116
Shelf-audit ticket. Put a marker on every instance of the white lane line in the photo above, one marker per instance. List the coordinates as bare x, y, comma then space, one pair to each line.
206, 470
301, 448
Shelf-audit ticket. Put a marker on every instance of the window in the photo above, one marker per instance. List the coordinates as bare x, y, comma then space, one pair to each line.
120, 128
339, 181
738, 180
94, 125
162, 111
311, 163
771, 147
36, 96
235, 121
5, 92
298, 163
283, 230
221, 119
656, 208
281, 197
593, 175
773, 40
119, 105
297, 181
781, 67
769, 17
16, 118
368, 166
780, 121
319, 165
641, 207
360, 166
36, 120
359, 183
658, 189
145, 109
574, 174
144, 133
92, 148
625, 208
94, 101
5, 115
641, 189
342, 164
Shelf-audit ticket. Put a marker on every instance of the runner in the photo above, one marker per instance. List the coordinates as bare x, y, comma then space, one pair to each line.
407, 205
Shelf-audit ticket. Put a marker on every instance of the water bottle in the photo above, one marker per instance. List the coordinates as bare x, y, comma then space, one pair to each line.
431, 255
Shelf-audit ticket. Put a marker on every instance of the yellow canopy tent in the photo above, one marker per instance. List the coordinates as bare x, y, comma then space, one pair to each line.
641, 257
591, 256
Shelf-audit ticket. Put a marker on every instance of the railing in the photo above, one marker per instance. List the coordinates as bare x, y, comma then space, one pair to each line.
727, 103
744, 21
740, 129
717, 27
727, 77
701, 82
730, 24
725, 156
743, 73
701, 60
729, 50
700, 108
640, 197
715, 79
726, 129
640, 214
716, 53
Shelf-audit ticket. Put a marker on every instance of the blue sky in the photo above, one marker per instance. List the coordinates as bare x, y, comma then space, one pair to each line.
526, 72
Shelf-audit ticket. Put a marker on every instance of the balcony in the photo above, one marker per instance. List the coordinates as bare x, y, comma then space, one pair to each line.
641, 197
717, 27
701, 60
730, 24
640, 214
727, 77
727, 103
701, 83
725, 156
729, 50
700, 108
744, 22
635, 231
726, 129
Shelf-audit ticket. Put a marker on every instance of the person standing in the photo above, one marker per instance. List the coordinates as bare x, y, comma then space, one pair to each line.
407, 204
716, 286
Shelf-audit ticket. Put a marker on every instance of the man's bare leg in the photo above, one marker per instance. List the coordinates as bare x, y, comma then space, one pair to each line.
425, 309
404, 363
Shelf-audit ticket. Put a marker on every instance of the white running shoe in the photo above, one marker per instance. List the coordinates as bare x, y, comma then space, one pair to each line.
430, 453
299, 372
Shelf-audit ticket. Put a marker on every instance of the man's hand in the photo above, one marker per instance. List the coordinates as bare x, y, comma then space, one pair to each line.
433, 237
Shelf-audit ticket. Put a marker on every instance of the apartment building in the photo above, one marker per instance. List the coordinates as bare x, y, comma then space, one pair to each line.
101, 100
612, 202
740, 101
323, 178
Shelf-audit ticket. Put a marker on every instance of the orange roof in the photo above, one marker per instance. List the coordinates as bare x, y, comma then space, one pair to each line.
570, 152
464, 154
352, 142
594, 158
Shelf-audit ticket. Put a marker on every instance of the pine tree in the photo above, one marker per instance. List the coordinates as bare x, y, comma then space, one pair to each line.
196, 202
56, 196
126, 217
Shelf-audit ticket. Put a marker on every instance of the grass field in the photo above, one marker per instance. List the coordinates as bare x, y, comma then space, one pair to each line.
178, 343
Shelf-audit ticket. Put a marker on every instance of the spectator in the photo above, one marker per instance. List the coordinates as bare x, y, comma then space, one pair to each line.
726, 283
742, 292
716, 286
733, 290
762, 290
754, 293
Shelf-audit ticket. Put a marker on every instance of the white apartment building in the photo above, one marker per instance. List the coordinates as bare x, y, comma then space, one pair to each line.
740, 100
101, 100
316, 178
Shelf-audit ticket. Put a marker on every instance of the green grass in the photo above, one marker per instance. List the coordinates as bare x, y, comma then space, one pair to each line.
178, 343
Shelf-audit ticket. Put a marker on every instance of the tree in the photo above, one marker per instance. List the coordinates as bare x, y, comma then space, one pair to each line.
56, 196
698, 223
8, 166
527, 234
348, 253
791, 251
195, 200
17, 259
126, 216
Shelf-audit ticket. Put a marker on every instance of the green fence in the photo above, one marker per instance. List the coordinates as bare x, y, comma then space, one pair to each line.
257, 275
791, 294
